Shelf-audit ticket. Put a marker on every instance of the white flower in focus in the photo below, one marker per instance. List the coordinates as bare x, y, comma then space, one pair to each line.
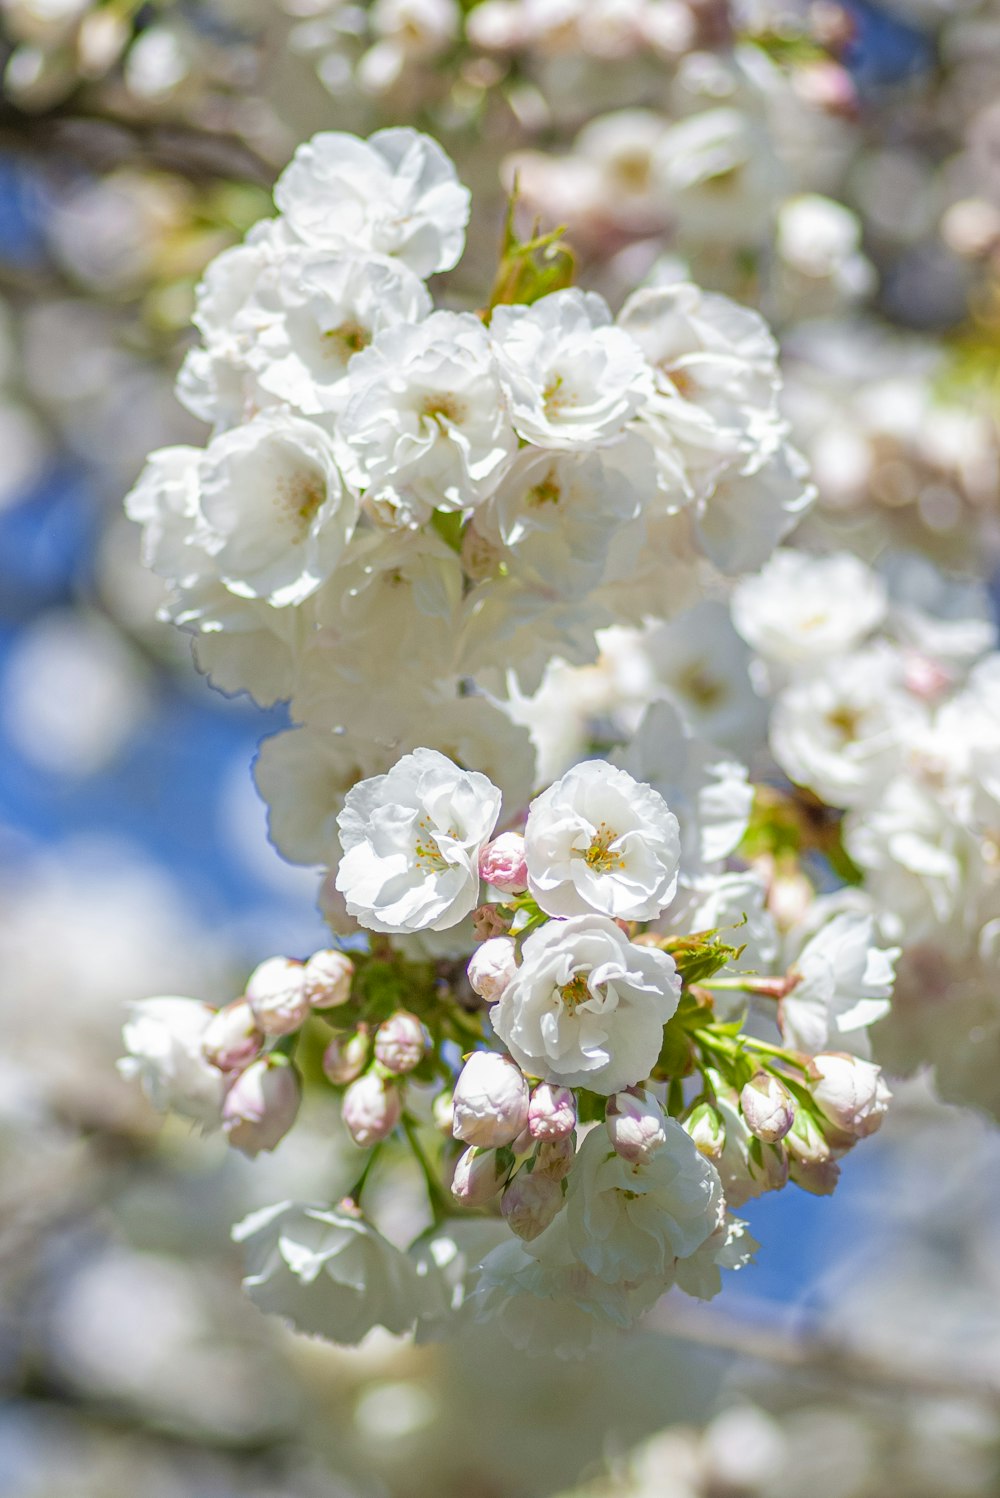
277, 507
586, 1007
843, 984
573, 379
599, 840
394, 194
425, 419
801, 609
326, 1271
412, 841
163, 1038
630, 1220
319, 310
708, 793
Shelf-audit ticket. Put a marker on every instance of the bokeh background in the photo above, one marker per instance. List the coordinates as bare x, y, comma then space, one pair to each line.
860, 1357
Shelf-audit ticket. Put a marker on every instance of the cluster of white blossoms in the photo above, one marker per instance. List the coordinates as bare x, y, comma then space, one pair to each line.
585, 1156
403, 516
405, 512
886, 707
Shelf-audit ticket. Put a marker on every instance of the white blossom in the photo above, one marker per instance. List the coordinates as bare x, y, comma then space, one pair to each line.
599, 840
801, 609
394, 194
326, 1271
630, 1220
163, 1038
573, 379
278, 512
490, 1101
412, 840
843, 984
425, 420
586, 1007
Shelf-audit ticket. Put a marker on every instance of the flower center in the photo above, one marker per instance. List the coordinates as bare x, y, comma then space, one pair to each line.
350, 338
575, 992
301, 498
545, 493
427, 849
703, 689
845, 721
444, 410
599, 855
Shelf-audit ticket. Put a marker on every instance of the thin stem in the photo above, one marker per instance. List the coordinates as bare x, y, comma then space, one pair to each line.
436, 1197
359, 1185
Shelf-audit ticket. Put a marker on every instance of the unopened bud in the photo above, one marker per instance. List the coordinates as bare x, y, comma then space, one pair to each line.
555, 1158
346, 1057
770, 1166
400, 1042
530, 1203
487, 921
501, 864
371, 1109
819, 1177
551, 1112
635, 1125
492, 966
805, 1142
261, 1105
328, 977
477, 1178
705, 1126
767, 1106
231, 1039
850, 1093
276, 992
491, 1100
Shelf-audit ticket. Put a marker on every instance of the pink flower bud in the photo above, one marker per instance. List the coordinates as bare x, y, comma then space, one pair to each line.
346, 1056
492, 966
551, 1112
501, 863
767, 1106
491, 1100
530, 1203
555, 1158
850, 1093
231, 1038
328, 977
261, 1105
635, 1125
487, 921
477, 1177
276, 992
400, 1042
705, 1126
371, 1109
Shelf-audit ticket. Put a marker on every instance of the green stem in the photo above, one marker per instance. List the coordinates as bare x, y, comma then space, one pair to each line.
359, 1185
436, 1197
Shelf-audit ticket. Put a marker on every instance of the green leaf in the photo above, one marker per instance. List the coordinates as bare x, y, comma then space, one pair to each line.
530, 268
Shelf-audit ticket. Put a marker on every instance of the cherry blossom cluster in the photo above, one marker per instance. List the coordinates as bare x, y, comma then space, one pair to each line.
398, 502
608, 1114
885, 688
